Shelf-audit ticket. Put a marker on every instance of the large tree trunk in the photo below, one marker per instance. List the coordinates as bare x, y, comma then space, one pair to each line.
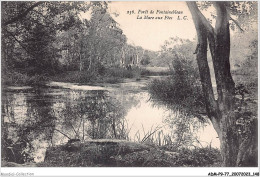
221, 111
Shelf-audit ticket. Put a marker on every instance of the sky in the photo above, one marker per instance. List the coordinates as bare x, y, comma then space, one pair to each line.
151, 34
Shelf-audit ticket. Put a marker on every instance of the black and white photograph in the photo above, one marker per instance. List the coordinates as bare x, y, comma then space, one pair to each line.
129, 84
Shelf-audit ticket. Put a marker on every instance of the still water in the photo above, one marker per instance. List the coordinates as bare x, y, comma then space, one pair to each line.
34, 118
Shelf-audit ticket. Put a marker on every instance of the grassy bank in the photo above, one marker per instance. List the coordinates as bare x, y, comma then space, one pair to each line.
130, 155
154, 157
106, 75
21, 79
86, 77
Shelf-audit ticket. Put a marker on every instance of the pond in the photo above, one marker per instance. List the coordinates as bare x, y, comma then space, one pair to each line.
35, 118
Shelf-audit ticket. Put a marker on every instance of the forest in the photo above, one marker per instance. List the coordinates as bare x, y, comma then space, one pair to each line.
48, 49
46, 40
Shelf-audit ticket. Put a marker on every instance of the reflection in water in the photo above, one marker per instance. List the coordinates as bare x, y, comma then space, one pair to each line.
168, 126
36, 118
45, 117
27, 125
92, 114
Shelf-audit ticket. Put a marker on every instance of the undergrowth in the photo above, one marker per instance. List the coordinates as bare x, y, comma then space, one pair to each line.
201, 157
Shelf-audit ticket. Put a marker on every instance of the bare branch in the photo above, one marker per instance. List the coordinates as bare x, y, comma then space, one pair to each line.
19, 42
236, 22
62, 133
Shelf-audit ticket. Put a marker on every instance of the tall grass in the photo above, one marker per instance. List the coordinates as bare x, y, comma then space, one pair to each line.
178, 131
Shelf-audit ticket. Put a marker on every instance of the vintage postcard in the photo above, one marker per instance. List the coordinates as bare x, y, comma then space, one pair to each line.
129, 84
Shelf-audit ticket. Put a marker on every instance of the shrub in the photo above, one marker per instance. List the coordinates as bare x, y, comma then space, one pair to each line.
178, 94
119, 72
199, 157
75, 77
145, 72
17, 78
182, 88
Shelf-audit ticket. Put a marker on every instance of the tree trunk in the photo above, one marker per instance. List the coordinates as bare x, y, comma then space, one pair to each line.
221, 111
114, 127
122, 62
80, 62
90, 63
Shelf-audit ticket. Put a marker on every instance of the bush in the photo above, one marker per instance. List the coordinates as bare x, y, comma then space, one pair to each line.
187, 96
103, 75
106, 155
75, 77
182, 88
17, 78
200, 157
119, 72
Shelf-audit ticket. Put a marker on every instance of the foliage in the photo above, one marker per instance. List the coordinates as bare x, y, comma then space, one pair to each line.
152, 58
182, 88
31, 28
104, 40
50, 38
106, 75
199, 157
17, 78
40, 54
74, 77
92, 157
244, 56
145, 60
120, 72
181, 91
243, 14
